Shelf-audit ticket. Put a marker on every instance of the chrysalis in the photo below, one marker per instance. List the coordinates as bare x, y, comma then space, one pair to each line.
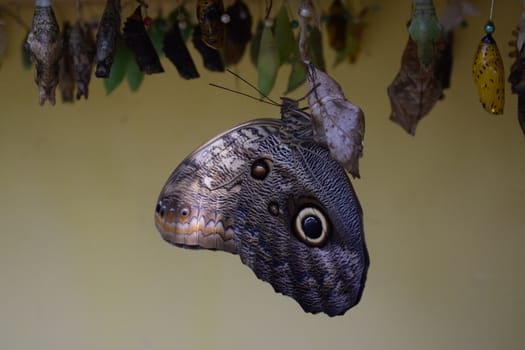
176, 51
67, 81
517, 71
488, 73
336, 25
107, 37
353, 36
139, 43
238, 32
425, 30
210, 56
45, 45
82, 48
209, 13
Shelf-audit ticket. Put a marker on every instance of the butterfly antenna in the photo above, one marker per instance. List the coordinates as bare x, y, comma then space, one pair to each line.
252, 86
270, 102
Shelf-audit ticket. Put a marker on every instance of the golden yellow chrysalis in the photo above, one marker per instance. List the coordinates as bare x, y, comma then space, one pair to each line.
489, 75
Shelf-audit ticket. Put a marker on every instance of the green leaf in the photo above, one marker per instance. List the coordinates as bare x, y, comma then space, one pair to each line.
118, 69
256, 43
156, 34
134, 76
267, 62
316, 48
284, 37
297, 76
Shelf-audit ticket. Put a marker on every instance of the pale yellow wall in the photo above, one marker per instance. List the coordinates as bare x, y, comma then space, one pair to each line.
83, 267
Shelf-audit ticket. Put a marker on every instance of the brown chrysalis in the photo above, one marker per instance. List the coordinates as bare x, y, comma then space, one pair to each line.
139, 43
176, 51
210, 56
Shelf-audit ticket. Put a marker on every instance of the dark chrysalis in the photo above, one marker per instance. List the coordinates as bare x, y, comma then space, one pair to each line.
517, 79
336, 25
139, 43
238, 32
212, 58
107, 37
82, 48
212, 28
66, 82
176, 51
443, 61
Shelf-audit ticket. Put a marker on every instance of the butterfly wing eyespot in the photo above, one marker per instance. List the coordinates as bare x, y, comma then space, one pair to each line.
311, 226
184, 211
260, 168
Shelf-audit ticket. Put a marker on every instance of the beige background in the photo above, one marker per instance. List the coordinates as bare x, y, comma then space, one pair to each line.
83, 267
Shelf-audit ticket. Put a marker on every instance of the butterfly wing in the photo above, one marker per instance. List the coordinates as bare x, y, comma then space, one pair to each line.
196, 206
288, 210
302, 227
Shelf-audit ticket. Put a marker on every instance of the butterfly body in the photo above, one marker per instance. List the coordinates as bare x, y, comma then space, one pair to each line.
266, 191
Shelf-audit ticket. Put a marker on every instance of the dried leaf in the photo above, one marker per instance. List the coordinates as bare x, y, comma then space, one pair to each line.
238, 32
414, 91
425, 30
45, 44
107, 37
267, 62
177, 52
338, 124
139, 43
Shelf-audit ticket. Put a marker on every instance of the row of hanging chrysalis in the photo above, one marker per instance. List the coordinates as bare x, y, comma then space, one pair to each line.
213, 60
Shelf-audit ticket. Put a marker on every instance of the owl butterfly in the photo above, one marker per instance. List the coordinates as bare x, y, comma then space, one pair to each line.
266, 191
